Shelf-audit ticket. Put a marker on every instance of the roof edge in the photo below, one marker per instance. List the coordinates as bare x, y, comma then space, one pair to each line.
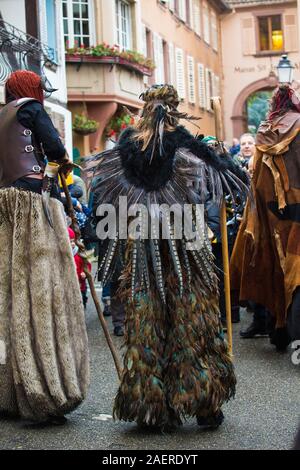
221, 6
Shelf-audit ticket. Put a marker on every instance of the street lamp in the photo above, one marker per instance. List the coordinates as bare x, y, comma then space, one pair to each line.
285, 70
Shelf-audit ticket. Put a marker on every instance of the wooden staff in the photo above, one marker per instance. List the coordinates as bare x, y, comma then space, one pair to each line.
88, 274
216, 105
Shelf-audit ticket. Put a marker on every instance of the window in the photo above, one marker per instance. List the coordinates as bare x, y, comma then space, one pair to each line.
123, 23
270, 33
77, 23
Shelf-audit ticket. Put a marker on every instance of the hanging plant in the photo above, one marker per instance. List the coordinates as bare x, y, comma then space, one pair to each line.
117, 124
83, 125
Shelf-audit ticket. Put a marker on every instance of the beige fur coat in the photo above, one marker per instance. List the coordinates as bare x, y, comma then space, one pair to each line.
44, 362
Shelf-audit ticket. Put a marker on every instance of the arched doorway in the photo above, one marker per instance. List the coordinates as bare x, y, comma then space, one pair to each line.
240, 114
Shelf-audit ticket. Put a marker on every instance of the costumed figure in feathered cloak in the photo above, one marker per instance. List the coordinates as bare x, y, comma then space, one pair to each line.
265, 265
176, 363
44, 361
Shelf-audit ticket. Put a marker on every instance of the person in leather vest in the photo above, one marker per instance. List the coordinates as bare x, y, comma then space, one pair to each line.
44, 359
27, 134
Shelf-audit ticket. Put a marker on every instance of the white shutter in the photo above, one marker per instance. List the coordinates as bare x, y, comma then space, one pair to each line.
201, 86
161, 60
180, 77
43, 21
248, 36
158, 59
191, 79
290, 33
182, 10
214, 31
197, 17
144, 49
190, 19
213, 87
172, 71
206, 32
216, 85
155, 57
172, 5
144, 41
207, 88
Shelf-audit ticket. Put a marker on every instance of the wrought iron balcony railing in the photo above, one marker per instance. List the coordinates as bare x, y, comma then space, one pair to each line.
19, 50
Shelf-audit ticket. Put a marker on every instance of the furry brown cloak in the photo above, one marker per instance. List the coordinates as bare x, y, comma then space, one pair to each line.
44, 362
265, 264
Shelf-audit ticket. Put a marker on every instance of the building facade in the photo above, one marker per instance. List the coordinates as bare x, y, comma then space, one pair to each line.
103, 76
31, 37
183, 38
254, 36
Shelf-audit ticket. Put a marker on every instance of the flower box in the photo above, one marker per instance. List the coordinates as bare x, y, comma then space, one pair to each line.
86, 58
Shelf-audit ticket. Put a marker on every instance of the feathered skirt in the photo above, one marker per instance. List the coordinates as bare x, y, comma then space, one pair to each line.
44, 362
177, 364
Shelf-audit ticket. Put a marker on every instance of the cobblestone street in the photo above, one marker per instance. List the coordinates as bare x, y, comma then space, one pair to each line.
264, 414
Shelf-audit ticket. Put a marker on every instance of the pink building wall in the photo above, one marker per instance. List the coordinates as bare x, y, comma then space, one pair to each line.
245, 74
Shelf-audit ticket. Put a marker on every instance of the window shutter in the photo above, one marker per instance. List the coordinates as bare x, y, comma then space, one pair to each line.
144, 41
161, 60
214, 31
191, 79
158, 59
207, 88
290, 33
182, 10
172, 5
144, 49
172, 65
190, 16
180, 73
213, 88
248, 36
201, 86
217, 90
206, 24
43, 21
197, 17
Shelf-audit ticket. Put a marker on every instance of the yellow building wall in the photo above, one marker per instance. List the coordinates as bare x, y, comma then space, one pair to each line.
161, 20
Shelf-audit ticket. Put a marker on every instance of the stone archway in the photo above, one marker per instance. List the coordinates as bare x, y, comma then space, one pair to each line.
239, 117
